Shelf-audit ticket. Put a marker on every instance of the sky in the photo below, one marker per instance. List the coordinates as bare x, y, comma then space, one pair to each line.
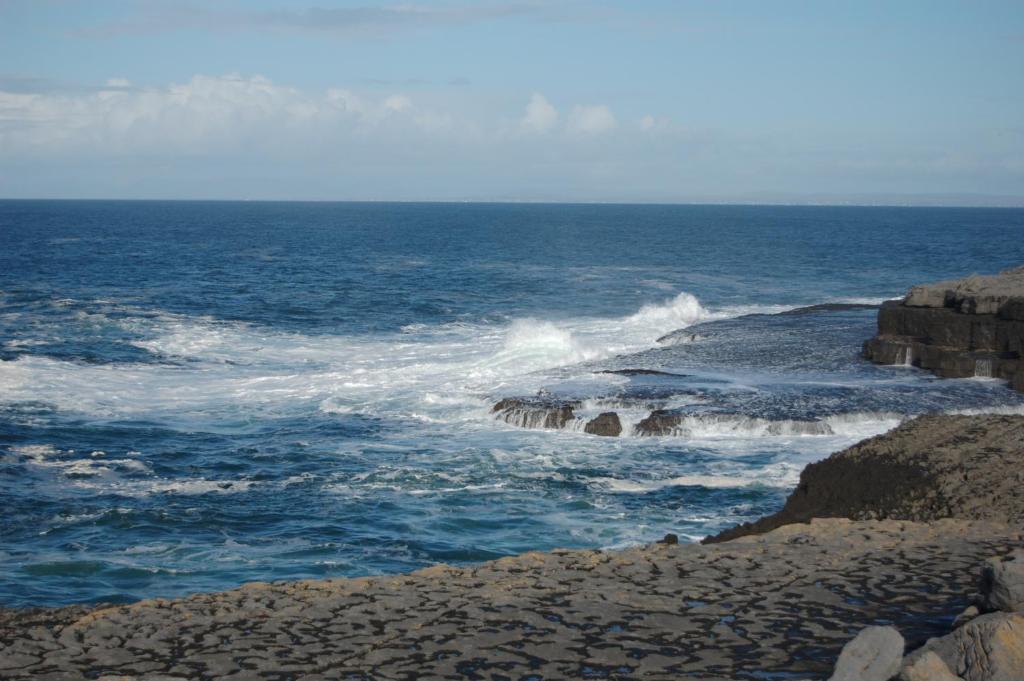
786, 101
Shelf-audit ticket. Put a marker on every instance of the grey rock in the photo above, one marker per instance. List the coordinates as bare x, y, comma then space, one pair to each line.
874, 655
1002, 583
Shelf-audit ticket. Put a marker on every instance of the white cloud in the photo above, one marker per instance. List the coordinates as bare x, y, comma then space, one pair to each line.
397, 103
540, 115
592, 120
651, 123
206, 114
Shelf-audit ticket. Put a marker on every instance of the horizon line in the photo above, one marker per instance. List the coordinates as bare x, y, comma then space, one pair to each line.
995, 203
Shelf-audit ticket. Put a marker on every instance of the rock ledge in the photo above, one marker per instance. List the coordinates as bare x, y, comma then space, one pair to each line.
956, 329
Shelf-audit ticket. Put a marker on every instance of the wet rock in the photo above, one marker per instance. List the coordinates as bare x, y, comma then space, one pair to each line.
536, 412
606, 424
670, 539
642, 372
933, 467
1002, 583
688, 424
956, 329
927, 667
874, 655
827, 307
988, 648
659, 422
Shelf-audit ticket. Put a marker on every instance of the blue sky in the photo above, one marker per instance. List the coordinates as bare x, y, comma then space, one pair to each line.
904, 102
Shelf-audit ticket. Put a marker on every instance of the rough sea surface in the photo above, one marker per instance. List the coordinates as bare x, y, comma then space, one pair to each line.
196, 395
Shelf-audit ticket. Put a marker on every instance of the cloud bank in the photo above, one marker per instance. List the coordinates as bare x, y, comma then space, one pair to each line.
235, 136
234, 113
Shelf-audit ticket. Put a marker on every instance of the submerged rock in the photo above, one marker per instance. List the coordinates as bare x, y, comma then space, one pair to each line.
642, 372
536, 412
933, 467
606, 424
874, 655
828, 307
957, 329
689, 424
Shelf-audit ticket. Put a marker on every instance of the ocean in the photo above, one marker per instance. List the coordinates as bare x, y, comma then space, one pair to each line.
194, 395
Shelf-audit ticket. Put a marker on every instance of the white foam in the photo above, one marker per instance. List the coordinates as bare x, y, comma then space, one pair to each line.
45, 456
683, 310
531, 345
708, 481
438, 372
1008, 410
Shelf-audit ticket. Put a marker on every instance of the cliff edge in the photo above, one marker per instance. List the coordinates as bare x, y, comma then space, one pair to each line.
956, 329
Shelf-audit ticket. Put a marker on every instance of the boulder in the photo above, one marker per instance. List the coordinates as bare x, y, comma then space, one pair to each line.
988, 648
1002, 583
875, 654
927, 667
606, 424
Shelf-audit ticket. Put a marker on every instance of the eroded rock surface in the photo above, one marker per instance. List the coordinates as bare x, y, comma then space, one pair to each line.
937, 466
966, 327
988, 648
786, 602
536, 412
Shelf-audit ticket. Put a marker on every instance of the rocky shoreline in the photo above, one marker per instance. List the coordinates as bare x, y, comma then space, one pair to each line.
957, 329
780, 604
900, 557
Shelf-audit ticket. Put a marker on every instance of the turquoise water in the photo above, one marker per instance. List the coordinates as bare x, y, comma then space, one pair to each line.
195, 395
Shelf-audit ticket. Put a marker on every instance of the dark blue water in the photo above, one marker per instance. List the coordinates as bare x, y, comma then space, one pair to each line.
195, 395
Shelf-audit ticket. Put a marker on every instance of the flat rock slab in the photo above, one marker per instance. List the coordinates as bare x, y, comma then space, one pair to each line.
786, 601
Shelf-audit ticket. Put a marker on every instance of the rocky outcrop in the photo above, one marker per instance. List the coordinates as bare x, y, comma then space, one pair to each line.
535, 412
932, 467
957, 329
606, 424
